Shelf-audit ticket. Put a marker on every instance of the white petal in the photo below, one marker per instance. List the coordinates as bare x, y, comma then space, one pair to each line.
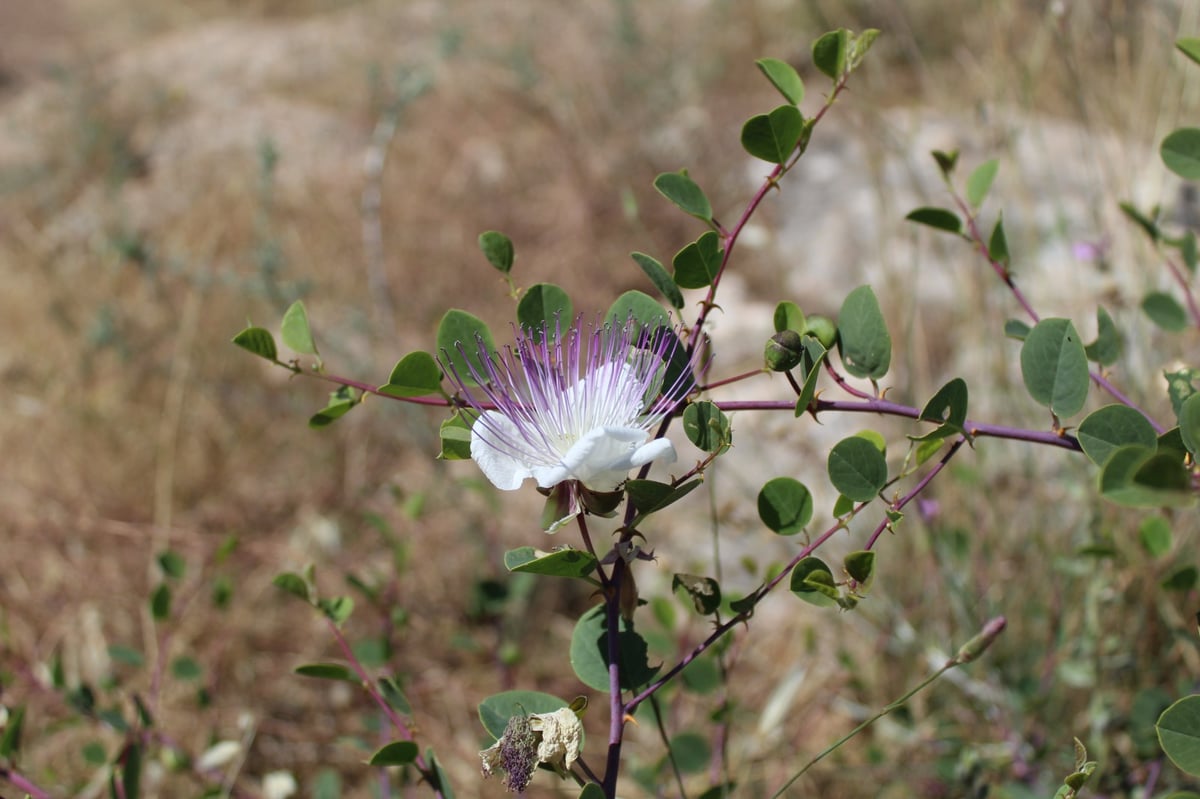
660, 449
498, 464
601, 459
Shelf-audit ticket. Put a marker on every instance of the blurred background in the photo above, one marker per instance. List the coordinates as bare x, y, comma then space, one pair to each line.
170, 171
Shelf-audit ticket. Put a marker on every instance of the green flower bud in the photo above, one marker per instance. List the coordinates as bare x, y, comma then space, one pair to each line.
783, 351
822, 328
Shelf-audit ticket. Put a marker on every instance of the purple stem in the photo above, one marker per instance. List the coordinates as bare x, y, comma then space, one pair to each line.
917, 489
616, 720
21, 783
1181, 279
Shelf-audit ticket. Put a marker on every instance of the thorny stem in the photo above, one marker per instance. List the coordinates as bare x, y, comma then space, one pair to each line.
917, 489
369, 686
616, 720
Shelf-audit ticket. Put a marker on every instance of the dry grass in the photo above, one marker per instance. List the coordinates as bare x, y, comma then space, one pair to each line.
169, 170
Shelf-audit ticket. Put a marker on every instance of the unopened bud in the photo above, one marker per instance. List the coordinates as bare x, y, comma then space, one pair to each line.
784, 351
977, 645
822, 328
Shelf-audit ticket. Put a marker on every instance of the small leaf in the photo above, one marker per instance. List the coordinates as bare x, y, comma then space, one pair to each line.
594, 791
560, 563
1165, 311
294, 584
691, 751
389, 689
10, 740
860, 566
295, 331
1155, 535
815, 355
131, 770
186, 668
649, 496
259, 341
1189, 424
1182, 579
337, 608
948, 407
812, 581
938, 218
123, 654
397, 753
784, 78
704, 592
1190, 47
327, 671
829, 52
707, 427
455, 435
1138, 477
498, 249
1106, 349
660, 277
1181, 153
1111, 427
437, 778
1148, 224
864, 343
1015, 328
1054, 367
544, 306
857, 468
1179, 386
698, 263
341, 402
946, 161
160, 602
998, 243
640, 307
415, 375
684, 193
980, 182
172, 564
785, 505
464, 339
788, 316
773, 137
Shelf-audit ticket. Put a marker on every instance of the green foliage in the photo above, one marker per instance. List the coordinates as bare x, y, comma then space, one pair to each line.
649, 496
560, 563
589, 653
857, 468
327, 671
341, 401
1189, 424
773, 137
1190, 47
638, 306
460, 337
497, 709
829, 52
699, 263
1054, 367
258, 341
1180, 153
691, 751
680, 189
812, 581
788, 316
1106, 349
707, 427
1179, 734
544, 306
415, 375
937, 218
704, 592
497, 249
1111, 427
397, 753
660, 277
864, 343
455, 435
784, 78
1165, 311
980, 182
295, 330
785, 505
948, 407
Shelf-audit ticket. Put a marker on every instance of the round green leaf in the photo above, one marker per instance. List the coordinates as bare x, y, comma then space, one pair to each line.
415, 375
1179, 733
857, 468
463, 338
1113, 426
497, 709
788, 316
812, 581
589, 653
684, 193
863, 339
1106, 349
860, 565
829, 52
707, 427
785, 505
544, 306
980, 181
640, 307
774, 136
1181, 153
784, 78
1165, 311
498, 249
1055, 366
1138, 477
259, 341
691, 752
698, 263
1189, 424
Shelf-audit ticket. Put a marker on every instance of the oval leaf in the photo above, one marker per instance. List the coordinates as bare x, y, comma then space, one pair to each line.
1189, 424
1113, 426
857, 468
938, 218
259, 341
1181, 153
829, 52
812, 581
697, 264
461, 338
1179, 733
980, 181
785, 505
863, 339
397, 753
295, 331
589, 653
1054, 366
416, 375
1106, 349
327, 671
774, 136
544, 306
784, 78
684, 193
497, 709
707, 427
562, 563
498, 249
660, 277
1165, 311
